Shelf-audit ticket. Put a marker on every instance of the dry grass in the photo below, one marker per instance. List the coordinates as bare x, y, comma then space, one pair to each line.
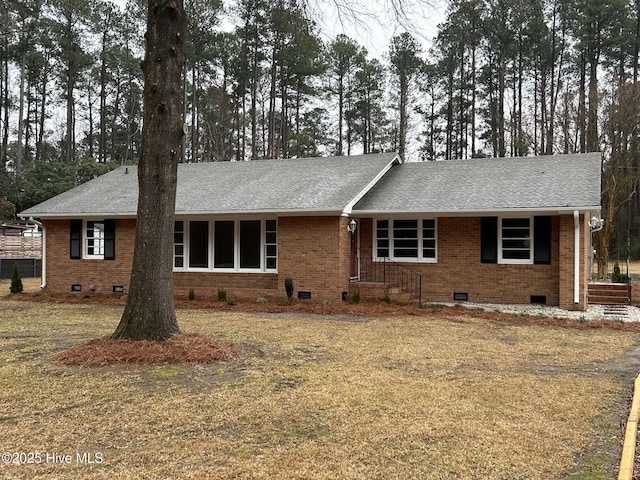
317, 397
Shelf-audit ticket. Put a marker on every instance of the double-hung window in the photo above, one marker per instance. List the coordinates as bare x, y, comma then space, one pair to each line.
406, 239
516, 240
94, 239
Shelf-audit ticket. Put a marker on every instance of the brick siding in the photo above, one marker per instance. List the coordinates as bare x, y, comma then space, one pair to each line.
315, 253
62, 272
459, 269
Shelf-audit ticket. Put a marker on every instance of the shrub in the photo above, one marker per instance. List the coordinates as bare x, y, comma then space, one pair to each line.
16, 282
386, 298
192, 294
222, 294
288, 286
355, 298
617, 276
261, 300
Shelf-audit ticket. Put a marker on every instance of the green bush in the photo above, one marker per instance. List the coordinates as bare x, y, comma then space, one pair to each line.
288, 286
222, 294
617, 276
192, 294
355, 298
386, 298
16, 282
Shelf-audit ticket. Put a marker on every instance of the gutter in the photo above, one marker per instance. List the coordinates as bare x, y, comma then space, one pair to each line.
44, 251
576, 257
474, 212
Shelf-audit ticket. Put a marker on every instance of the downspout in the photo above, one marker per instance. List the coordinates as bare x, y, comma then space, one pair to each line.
576, 257
44, 252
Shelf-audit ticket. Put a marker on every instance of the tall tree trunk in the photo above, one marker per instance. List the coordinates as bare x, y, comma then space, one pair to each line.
5, 119
271, 136
582, 117
473, 101
149, 312
340, 113
255, 72
592, 124
19, 151
70, 131
404, 96
636, 43
502, 67
102, 147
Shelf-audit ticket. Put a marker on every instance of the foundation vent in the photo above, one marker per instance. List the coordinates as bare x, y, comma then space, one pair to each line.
539, 299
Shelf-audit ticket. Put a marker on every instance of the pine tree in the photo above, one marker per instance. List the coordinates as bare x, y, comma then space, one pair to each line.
16, 282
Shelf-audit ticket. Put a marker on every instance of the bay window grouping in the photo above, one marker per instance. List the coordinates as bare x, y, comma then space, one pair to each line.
231, 245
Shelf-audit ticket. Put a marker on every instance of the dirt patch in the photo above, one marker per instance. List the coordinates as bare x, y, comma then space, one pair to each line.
179, 349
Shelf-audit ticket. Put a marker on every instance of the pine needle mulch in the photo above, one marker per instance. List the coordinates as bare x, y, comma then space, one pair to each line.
179, 349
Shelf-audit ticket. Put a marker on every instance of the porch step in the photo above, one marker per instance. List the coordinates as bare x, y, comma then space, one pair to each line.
608, 294
376, 290
618, 312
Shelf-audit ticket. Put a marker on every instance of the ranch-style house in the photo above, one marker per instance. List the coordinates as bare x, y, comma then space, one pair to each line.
491, 230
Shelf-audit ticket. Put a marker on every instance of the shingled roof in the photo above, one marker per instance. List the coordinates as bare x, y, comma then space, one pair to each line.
326, 185
550, 183
362, 185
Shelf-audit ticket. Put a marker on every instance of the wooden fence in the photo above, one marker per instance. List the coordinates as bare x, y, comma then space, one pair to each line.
17, 246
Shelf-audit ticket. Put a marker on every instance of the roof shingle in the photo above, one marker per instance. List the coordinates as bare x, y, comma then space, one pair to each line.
554, 182
330, 185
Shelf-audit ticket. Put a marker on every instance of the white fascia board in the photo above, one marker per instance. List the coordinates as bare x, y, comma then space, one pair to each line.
348, 209
479, 213
69, 216
220, 213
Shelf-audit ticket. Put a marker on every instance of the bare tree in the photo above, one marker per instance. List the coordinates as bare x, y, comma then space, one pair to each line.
619, 173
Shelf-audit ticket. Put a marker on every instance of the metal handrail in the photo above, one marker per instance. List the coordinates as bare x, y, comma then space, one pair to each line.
392, 273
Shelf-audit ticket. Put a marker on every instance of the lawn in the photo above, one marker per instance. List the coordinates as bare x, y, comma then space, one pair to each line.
436, 396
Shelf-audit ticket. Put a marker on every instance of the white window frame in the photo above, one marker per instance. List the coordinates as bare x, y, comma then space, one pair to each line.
502, 237
236, 247
86, 238
182, 244
420, 240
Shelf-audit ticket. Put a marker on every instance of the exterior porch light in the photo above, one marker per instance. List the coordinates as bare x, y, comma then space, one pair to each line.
596, 224
352, 226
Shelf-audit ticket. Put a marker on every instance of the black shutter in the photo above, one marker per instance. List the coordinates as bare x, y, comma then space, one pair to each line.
109, 239
542, 240
489, 240
75, 238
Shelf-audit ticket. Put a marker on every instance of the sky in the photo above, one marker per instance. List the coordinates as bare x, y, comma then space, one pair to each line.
372, 23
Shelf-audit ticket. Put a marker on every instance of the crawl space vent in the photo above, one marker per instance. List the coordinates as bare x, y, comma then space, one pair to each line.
539, 299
